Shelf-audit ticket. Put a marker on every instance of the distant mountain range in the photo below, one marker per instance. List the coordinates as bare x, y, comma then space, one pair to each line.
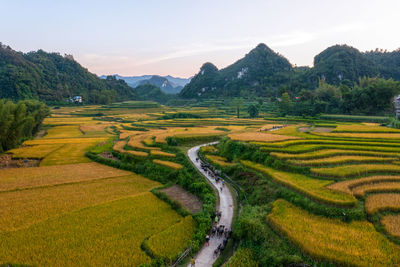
167, 84
265, 73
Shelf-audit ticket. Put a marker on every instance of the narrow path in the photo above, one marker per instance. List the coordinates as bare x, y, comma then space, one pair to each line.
205, 257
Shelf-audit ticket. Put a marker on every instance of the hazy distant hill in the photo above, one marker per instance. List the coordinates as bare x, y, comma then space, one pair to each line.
54, 78
167, 84
263, 72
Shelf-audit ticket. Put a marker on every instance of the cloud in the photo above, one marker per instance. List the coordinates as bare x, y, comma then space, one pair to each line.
291, 39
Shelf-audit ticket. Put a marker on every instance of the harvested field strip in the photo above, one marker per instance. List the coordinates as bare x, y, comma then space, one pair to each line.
65, 141
36, 151
26, 207
349, 244
360, 191
349, 185
330, 153
363, 135
189, 201
290, 143
22, 178
170, 242
339, 160
310, 148
392, 224
259, 136
311, 187
169, 164
381, 202
359, 128
119, 146
109, 234
219, 160
355, 170
63, 132
68, 154
162, 153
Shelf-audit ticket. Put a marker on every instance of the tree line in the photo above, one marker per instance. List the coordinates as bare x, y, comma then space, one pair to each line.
20, 121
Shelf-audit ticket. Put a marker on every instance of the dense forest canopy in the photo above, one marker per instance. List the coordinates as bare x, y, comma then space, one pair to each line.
20, 121
53, 78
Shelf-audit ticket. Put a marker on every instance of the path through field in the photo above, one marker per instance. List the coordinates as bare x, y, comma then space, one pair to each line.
205, 257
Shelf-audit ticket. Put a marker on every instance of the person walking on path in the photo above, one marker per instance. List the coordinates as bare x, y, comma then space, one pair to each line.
192, 262
207, 240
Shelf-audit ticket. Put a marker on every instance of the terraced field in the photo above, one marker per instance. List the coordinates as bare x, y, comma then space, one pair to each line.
355, 166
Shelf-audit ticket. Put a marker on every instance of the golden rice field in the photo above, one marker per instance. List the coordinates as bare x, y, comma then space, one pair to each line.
392, 224
64, 141
119, 146
22, 178
169, 164
162, 153
325, 153
349, 185
259, 137
22, 208
63, 132
35, 151
313, 188
108, 234
339, 160
363, 135
380, 202
349, 244
68, 154
355, 170
170, 242
364, 128
221, 161
209, 149
361, 190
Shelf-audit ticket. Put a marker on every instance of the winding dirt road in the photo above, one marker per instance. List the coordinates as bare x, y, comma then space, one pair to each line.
205, 257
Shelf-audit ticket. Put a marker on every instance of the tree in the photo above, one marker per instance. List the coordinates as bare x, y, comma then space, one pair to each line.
237, 104
253, 110
285, 104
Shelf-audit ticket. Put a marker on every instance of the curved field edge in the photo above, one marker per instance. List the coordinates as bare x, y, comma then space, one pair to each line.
310, 187
108, 234
355, 244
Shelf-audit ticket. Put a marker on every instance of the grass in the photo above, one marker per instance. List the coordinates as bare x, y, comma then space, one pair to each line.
381, 202
355, 170
169, 164
109, 234
348, 244
259, 137
325, 153
63, 132
170, 242
26, 207
339, 160
313, 188
35, 151
221, 161
22, 178
243, 257
349, 185
392, 224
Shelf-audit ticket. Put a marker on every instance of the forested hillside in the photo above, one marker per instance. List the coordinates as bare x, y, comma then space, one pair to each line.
53, 78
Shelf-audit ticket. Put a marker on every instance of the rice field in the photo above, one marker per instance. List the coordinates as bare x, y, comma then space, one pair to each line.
349, 185
352, 170
169, 164
325, 153
243, 257
68, 154
339, 160
22, 208
313, 188
392, 224
34, 151
170, 242
221, 161
364, 128
108, 234
259, 137
162, 154
361, 190
63, 132
381, 202
349, 244
23, 178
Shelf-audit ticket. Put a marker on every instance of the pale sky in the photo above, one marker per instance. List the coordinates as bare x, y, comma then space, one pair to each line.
176, 37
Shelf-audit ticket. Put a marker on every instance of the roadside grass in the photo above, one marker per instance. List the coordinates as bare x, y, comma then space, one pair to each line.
351, 244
